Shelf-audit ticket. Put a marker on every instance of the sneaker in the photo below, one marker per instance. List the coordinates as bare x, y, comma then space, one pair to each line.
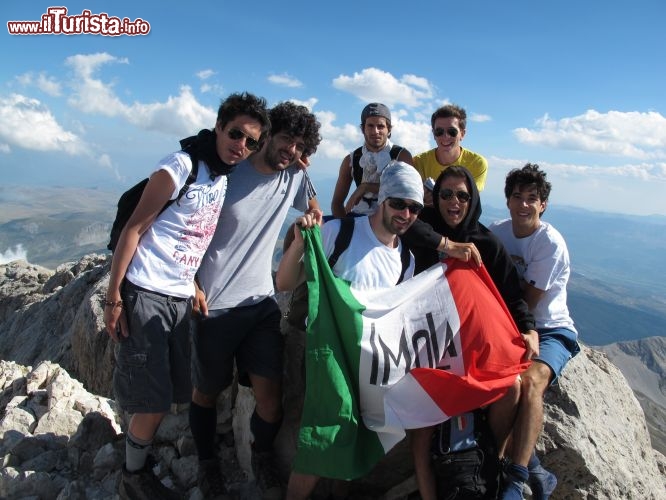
266, 475
211, 481
144, 485
542, 483
514, 479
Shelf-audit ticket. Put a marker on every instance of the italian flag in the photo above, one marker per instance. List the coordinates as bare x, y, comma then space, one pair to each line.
383, 361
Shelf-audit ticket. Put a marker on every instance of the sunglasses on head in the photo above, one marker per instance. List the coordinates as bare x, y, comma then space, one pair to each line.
400, 204
452, 131
250, 143
447, 194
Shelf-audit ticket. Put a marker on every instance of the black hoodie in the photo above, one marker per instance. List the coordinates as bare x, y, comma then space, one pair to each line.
495, 257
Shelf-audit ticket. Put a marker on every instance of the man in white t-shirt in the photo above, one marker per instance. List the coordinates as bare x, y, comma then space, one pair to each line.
149, 298
542, 260
372, 259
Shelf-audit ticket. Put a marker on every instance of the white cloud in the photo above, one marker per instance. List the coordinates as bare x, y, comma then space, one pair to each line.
479, 118
47, 84
413, 135
27, 123
310, 103
336, 141
285, 80
180, 115
603, 188
90, 94
373, 84
214, 88
631, 134
12, 254
205, 74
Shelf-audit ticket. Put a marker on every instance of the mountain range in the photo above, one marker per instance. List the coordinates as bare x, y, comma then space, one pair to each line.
617, 291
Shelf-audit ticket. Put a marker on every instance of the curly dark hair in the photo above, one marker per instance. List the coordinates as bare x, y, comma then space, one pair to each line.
297, 121
450, 111
244, 104
528, 176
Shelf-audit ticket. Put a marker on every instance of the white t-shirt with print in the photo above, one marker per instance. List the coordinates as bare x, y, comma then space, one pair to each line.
170, 251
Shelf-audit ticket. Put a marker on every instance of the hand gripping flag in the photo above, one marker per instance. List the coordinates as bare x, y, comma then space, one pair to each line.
379, 362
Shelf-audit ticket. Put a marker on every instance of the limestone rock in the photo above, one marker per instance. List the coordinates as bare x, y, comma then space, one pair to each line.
60, 433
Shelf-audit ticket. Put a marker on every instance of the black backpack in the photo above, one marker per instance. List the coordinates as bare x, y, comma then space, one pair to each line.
357, 170
297, 311
130, 199
471, 473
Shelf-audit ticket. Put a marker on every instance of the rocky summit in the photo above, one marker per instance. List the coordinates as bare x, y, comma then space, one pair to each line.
62, 433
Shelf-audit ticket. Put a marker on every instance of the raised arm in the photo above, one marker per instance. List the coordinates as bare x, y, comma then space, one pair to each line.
290, 271
342, 188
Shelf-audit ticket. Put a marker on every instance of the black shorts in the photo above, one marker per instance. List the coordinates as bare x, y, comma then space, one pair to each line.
248, 335
153, 362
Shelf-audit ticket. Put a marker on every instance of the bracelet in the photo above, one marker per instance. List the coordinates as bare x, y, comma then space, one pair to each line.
446, 242
110, 303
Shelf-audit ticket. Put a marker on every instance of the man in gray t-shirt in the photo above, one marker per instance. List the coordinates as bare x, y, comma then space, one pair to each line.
239, 317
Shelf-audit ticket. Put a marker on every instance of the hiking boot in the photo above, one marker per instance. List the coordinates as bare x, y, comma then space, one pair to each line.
266, 475
542, 483
211, 481
144, 485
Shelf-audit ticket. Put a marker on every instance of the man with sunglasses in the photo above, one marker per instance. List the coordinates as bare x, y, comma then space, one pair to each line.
364, 165
542, 260
373, 259
448, 128
149, 298
239, 319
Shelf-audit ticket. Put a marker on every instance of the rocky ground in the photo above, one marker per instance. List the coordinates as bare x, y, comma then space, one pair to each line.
62, 434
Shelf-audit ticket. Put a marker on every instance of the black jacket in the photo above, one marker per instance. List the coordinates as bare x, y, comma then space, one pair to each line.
424, 237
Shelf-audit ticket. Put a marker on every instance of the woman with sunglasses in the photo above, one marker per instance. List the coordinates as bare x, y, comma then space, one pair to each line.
455, 215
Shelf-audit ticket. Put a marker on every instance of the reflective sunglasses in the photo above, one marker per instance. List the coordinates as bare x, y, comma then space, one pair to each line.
400, 204
250, 143
447, 194
452, 131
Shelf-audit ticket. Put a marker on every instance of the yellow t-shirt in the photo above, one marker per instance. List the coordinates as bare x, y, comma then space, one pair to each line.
427, 165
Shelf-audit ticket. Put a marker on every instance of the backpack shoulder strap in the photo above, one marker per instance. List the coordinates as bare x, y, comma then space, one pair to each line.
395, 151
405, 259
191, 177
342, 240
357, 171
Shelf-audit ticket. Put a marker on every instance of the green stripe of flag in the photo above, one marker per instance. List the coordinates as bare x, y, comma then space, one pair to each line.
333, 442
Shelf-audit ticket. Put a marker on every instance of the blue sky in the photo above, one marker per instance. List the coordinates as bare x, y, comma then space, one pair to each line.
577, 87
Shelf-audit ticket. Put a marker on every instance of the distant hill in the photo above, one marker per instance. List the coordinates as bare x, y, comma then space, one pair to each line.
643, 364
617, 290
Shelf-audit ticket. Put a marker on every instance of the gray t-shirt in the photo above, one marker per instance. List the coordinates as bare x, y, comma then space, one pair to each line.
236, 269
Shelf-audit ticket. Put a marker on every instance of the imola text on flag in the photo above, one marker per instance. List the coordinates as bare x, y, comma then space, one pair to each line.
379, 362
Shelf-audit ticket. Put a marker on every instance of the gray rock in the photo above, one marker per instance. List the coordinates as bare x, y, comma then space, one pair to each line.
61, 434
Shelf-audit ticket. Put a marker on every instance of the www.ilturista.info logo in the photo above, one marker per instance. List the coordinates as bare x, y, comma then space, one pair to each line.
56, 22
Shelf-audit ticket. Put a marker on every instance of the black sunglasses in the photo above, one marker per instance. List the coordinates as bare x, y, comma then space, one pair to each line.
447, 194
250, 142
452, 131
399, 204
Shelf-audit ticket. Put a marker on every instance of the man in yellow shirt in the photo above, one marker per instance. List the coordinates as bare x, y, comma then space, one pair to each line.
448, 128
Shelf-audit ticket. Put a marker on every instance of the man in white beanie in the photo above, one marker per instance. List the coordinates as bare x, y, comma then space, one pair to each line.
374, 258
